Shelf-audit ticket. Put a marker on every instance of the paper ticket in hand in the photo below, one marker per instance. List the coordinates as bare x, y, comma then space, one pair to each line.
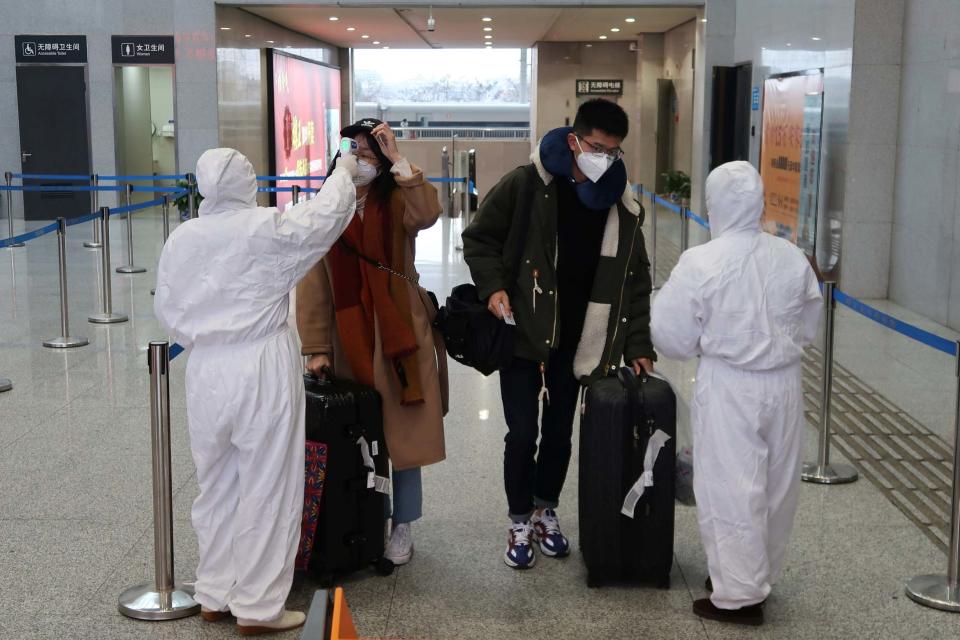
507, 318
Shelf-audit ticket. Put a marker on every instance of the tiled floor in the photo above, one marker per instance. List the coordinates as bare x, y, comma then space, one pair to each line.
75, 505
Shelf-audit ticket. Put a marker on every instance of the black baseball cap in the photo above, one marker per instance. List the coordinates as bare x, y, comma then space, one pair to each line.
367, 125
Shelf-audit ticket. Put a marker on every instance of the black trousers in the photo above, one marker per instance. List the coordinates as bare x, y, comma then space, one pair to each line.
534, 479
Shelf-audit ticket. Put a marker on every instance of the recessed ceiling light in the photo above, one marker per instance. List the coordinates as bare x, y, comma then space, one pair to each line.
270, 42
488, 36
386, 47
487, 19
224, 28
333, 18
248, 35
376, 42
589, 45
816, 38
603, 37
630, 20
789, 45
703, 19
615, 29
364, 36
488, 28
351, 28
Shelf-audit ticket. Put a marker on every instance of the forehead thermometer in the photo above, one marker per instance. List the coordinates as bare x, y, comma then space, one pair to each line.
348, 146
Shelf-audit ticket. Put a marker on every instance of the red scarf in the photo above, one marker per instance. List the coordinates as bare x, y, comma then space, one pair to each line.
364, 294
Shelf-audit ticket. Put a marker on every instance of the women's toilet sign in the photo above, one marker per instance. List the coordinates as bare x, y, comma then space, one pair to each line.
143, 49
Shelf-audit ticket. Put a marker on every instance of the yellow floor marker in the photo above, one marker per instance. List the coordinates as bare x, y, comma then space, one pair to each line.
342, 626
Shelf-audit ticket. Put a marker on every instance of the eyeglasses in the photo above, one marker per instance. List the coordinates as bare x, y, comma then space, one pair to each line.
614, 154
368, 157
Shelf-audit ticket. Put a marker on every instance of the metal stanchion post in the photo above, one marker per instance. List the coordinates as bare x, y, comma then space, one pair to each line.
129, 267
106, 315
8, 178
939, 591
684, 229
164, 599
5, 385
165, 209
192, 194
96, 243
653, 239
295, 193
446, 194
822, 471
65, 341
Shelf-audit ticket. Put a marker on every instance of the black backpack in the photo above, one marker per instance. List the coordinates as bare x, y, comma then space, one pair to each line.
474, 336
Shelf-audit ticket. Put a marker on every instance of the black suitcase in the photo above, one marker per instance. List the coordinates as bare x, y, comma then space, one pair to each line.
621, 415
350, 523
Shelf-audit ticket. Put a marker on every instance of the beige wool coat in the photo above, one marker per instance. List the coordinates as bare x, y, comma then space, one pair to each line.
414, 433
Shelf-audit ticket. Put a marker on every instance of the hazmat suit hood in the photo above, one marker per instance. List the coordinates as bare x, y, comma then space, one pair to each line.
734, 195
227, 182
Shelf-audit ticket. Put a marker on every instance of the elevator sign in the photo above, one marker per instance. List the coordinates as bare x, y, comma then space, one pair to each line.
143, 50
599, 87
51, 49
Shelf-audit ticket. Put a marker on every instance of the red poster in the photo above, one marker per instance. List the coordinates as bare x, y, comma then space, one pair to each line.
306, 118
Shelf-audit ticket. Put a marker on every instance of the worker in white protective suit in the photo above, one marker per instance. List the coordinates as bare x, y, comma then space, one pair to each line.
747, 303
223, 293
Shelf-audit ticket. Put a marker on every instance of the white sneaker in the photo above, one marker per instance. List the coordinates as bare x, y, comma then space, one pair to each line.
287, 620
400, 548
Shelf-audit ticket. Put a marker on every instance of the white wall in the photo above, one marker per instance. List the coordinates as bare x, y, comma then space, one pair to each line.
925, 255
679, 46
161, 112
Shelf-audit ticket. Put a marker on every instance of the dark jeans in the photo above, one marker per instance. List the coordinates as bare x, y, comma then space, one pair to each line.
532, 479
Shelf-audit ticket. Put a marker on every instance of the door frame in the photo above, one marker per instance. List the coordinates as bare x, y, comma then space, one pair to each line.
116, 106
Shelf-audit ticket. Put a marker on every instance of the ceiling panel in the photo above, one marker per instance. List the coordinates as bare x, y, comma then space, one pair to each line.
511, 27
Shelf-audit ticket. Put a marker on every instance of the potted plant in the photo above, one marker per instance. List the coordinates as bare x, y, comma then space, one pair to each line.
677, 185
183, 201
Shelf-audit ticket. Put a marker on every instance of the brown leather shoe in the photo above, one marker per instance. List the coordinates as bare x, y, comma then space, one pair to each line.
752, 615
214, 616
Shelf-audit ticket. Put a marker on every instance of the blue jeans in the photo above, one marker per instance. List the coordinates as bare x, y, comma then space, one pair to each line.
407, 497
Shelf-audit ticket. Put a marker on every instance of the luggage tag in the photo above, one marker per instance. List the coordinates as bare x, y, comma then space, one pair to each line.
382, 485
508, 319
375, 448
654, 445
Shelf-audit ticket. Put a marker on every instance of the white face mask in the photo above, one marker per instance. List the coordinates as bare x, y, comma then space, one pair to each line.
593, 165
366, 173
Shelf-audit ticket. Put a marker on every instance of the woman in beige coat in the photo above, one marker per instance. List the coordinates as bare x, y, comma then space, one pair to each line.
374, 326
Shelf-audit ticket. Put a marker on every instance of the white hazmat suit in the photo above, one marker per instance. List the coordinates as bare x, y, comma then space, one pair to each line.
223, 293
747, 303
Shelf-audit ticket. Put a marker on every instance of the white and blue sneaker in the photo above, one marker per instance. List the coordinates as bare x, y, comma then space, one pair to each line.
519, 554
546, 532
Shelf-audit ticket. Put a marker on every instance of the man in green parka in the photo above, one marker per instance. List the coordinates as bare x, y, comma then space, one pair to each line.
581, 302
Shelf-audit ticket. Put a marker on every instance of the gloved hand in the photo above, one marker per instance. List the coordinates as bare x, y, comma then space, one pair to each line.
347, 163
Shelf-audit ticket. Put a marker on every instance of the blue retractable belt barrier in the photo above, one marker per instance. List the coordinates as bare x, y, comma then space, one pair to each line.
275, 189
62, 188
90, 217
901, 327
666, 203
700, 221
289, 178
175, 350
156, 189
141, 178
136, 207
444, 180
30, 235
49, 176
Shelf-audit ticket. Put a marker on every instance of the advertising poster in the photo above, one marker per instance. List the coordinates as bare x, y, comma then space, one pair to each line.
790, 156
306, 120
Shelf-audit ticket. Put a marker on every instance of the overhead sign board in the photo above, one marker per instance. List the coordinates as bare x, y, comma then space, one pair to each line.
143, 49
51, 49
599, 87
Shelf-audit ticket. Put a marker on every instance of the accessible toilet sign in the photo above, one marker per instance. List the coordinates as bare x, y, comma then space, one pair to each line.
143, 49
51, 49
600, 87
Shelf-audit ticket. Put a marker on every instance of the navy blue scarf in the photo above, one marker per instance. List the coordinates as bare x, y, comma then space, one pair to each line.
557, 159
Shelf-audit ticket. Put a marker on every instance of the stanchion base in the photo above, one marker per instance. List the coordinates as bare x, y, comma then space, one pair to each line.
93, 245
829, 474
131, 269
16, 246
108, 318
66, 342
5, 385
144, 602
934, 591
